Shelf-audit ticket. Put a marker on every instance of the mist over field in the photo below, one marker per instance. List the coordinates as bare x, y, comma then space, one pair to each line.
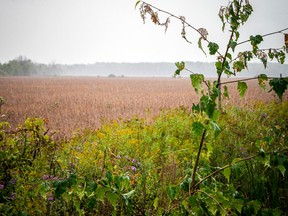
23, 66
164, 69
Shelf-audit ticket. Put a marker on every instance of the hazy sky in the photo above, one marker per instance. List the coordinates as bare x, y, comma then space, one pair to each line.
89, 31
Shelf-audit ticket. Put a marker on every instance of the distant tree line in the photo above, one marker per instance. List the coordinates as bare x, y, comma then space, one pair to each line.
21, 66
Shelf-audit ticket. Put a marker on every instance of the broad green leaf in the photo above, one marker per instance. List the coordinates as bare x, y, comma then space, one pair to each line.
256, 40
112, 198
261, 81
43, 189
214, 93
100, 193
200, 45
198, 128
171, 191
196, 108
280, 56
180, 66
228, 72
184, 204
242, 88
208, 105
233, 44
237, 204
213, 48
237, 35
219, 67
229, 56
227, 173
215, 128
238, 66
279, 86
282, 169
196, 80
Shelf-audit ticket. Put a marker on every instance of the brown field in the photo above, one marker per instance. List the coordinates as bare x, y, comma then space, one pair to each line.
76, 103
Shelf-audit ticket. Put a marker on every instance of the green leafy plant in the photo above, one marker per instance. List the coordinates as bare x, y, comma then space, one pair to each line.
229, 63
199, 162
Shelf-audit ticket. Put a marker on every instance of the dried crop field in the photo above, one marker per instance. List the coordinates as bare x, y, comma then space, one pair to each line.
75, 103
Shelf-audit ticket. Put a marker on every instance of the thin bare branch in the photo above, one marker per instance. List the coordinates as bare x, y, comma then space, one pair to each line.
265, 35
247, 79
225, 167
203, 33
232, 164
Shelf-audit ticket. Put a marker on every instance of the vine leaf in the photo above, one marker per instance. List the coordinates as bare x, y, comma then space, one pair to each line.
113, 198
279, 86
255, 41
196, 80
180, 66
238, 66
198, 128
242, 88
172, 192
208, 105
233, 44
227, 173
262, 78
215, 128
213, 48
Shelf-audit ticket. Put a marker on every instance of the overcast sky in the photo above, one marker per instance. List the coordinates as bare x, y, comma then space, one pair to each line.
89, 31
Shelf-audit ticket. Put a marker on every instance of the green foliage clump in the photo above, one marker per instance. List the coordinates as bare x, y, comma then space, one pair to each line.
27, 155
138, 167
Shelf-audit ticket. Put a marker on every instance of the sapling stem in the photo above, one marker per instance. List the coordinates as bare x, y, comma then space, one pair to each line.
197, 160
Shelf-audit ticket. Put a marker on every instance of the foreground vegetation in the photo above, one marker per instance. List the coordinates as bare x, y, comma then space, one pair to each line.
200, 161
139, 167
